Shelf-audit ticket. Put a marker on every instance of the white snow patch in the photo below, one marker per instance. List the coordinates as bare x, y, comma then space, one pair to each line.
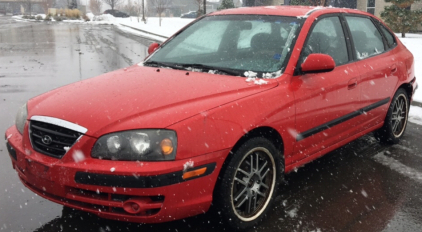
364, 193
398, 167
78, 156
292, 213
66, 148
256, 81
293, 133
112, 169
250, 74
187, 165
415, 115
271, 75
8, 137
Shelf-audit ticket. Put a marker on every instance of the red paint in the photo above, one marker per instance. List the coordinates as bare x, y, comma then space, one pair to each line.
153, 47
210, 114
318, 63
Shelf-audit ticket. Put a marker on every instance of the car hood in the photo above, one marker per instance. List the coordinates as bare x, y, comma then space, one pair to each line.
141, 97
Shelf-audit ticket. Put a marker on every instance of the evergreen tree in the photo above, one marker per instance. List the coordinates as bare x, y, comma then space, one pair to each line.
226, 4
300, 2
400, 18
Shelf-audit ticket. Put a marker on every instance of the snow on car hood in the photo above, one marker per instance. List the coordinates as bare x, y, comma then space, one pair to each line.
141, 97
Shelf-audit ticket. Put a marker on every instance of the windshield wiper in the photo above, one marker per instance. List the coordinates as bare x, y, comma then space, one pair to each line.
208, 68
161, 64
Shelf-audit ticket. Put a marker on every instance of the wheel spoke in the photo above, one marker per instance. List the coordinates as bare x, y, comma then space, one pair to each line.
261, 194
241, 181
257, 162
240, 193
265, 174
241, 202
263, 166
249, 204
264, 185
252, 164
396, 123
243, 172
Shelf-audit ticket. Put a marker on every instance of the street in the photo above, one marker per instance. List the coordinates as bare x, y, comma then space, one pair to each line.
364, 186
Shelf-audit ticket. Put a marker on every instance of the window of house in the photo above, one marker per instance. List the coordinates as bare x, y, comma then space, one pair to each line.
370, 6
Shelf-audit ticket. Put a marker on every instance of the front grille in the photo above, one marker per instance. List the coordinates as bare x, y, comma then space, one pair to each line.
51, 140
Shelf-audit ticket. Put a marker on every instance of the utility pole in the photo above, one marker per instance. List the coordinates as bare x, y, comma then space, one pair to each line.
205, 7
143, 11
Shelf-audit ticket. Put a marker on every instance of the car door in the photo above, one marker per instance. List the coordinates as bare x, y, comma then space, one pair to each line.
325, 101
377, 66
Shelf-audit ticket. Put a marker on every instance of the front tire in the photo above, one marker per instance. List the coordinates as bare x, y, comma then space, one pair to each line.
249, 183
396, 120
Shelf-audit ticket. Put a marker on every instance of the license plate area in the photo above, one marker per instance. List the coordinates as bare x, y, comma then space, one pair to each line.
37, 169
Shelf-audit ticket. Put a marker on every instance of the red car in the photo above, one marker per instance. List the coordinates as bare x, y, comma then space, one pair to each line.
218, 113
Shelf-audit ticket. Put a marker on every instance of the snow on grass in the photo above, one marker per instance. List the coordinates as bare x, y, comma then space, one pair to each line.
415, 115
413, 42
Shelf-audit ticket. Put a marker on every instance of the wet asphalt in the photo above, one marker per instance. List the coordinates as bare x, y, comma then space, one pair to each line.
363, 186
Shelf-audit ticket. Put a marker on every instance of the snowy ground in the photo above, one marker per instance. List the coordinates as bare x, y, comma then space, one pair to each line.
415, 115
169, 26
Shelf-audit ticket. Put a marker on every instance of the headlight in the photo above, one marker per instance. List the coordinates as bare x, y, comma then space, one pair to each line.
135, 145
20, 119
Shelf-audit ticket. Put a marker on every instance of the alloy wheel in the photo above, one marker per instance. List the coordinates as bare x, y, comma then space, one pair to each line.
399, 115
253, 184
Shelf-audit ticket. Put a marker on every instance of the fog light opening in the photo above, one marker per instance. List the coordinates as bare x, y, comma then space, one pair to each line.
131, 207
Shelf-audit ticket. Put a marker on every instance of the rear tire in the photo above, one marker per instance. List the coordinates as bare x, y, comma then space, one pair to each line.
249, 183
396, 120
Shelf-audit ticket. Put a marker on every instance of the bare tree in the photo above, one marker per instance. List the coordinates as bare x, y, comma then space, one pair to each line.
95, 6
28, 6
199, 3
139, 8
113, 3
160, 6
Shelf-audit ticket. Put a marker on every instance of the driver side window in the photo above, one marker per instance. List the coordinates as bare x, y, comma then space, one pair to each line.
327, 37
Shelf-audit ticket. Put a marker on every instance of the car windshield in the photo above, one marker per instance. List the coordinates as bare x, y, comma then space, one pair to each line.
231, 44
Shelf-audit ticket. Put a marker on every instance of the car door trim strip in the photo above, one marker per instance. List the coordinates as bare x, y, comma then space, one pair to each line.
342, 119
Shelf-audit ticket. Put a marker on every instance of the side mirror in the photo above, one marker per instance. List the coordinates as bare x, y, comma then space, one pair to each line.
318, 62
153, 47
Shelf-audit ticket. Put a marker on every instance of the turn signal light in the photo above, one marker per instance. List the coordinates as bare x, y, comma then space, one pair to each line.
166, 146
194, 173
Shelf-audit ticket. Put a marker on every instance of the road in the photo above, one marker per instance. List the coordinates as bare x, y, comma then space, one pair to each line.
363, 186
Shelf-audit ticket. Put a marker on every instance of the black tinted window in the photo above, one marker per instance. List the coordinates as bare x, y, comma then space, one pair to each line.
366, 37
327, 37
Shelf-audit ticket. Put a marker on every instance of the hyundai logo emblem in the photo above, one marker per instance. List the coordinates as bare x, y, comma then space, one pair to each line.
46, 139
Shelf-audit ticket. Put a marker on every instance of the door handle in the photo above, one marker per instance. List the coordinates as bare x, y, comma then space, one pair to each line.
352, 83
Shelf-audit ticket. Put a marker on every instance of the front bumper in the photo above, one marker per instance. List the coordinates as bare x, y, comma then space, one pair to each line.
104, 187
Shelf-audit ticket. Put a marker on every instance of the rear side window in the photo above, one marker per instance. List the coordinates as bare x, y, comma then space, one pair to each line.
390, 38
366, 37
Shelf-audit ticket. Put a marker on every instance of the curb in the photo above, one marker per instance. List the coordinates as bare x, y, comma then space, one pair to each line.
415, 103
146, 32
